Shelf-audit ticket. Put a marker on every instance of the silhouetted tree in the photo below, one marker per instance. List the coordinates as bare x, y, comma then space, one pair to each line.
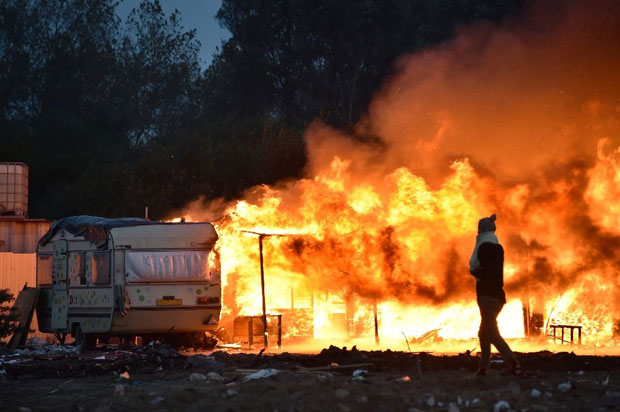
112, 116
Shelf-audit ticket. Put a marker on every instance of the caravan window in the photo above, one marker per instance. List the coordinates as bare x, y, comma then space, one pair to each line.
77, 272
167, 266
100, 268
79, 267
44, 269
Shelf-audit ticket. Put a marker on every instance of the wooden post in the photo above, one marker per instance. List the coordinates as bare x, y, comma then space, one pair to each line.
250, 331
377, 342
526, 317
262, 287
279, 331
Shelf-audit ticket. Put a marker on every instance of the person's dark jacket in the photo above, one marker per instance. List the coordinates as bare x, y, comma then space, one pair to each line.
491, 272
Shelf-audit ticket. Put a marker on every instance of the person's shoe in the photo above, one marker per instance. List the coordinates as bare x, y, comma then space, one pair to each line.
481, 372
515, 368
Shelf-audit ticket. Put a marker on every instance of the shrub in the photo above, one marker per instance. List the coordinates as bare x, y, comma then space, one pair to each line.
8, 319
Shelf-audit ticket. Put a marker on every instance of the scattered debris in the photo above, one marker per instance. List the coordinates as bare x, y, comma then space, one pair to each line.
197, 377
224, 373
335, 356
157, 400
47, 349
430, 401
263, 373
204, 363
162, 349
453, 408
605, 381
336, 367
501, 406
36, 341
230, 346
230, 392
565, 387
214, 376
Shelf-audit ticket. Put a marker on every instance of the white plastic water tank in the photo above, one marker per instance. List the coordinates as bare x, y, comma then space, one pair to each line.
13, 189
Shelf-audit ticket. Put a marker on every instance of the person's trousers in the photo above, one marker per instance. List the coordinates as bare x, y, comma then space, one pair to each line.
489, 333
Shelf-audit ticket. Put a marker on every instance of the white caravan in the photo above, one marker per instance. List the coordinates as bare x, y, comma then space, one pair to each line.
126, 277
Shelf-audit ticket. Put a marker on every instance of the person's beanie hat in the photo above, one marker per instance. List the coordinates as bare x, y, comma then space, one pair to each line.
487, 224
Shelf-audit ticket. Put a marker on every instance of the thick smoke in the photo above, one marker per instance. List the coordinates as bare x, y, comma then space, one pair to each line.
513, 97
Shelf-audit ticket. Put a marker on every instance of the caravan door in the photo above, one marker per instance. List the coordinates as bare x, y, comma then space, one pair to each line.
60, 307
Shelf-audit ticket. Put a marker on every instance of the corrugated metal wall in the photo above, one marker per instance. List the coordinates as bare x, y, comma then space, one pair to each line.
16, 269
21, 235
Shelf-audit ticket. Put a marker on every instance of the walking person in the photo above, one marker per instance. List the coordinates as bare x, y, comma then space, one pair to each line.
487, 266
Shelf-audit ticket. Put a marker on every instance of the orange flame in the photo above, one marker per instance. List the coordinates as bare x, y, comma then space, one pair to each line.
391, 225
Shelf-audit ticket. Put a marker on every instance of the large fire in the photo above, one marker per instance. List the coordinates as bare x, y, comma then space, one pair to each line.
518, 122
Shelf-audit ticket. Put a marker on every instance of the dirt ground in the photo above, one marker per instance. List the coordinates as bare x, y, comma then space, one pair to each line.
157, 378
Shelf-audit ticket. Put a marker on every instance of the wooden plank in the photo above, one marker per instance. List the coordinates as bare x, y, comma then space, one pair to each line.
24, 307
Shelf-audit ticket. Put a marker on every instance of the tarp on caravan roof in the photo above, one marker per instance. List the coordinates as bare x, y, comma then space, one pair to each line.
94, 229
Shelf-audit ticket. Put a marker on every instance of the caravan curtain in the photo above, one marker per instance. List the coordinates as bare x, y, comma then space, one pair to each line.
168, 266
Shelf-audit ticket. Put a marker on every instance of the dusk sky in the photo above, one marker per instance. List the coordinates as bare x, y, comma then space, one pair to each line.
195, 14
